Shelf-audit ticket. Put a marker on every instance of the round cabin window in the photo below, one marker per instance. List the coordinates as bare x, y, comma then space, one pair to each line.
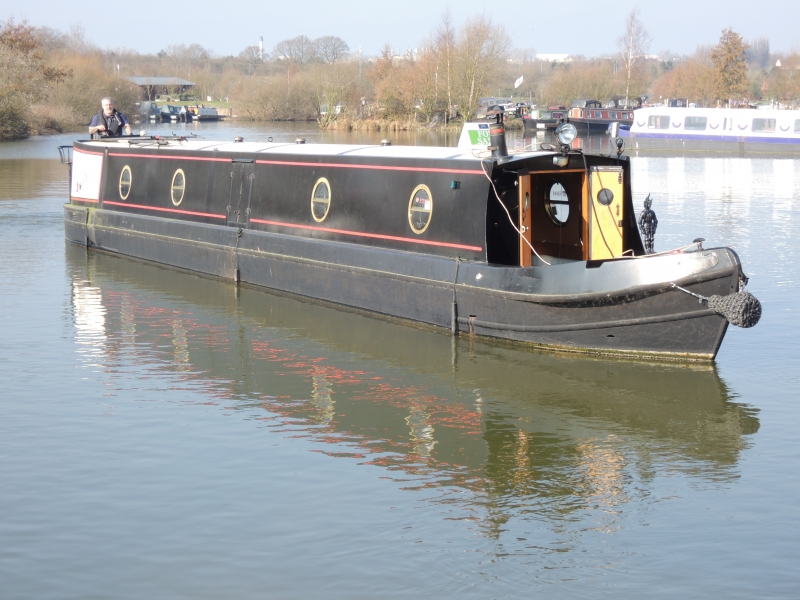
557, 204
178, 187
321, 200
125, 179
605, 197
420, 208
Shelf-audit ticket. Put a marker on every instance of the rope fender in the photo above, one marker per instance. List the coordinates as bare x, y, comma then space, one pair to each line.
741, 308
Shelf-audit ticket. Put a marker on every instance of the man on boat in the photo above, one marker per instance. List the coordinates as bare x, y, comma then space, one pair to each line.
109, 122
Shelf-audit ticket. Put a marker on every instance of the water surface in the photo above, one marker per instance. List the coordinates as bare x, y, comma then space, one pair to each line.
164, 434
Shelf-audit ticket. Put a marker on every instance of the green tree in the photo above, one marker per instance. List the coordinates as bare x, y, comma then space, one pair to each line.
729, 58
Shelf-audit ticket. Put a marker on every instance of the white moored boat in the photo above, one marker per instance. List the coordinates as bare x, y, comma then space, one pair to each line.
740, 130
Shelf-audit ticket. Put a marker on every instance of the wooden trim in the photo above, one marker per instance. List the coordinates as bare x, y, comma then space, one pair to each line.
559, 171
585, 216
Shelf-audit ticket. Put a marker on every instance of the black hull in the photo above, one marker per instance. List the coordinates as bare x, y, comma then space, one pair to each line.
595, 125
540, 124
649, 318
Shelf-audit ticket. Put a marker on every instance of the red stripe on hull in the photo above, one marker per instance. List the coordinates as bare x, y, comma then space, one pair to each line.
170, 210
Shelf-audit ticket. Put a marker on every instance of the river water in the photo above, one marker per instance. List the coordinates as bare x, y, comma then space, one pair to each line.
166, 435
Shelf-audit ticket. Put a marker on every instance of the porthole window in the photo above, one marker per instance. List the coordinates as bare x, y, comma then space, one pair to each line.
321, 200
178, 187
605, 197
420, 208
125, 179
556, 203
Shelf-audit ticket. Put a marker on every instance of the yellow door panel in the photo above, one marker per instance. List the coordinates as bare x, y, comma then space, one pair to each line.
605, 225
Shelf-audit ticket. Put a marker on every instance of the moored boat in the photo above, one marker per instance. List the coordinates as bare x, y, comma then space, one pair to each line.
544, 118
736, 130
175, 113
538, 247
204, 113
591, 115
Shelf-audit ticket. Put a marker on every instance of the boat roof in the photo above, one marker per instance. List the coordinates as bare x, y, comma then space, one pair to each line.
768, 113
284, 148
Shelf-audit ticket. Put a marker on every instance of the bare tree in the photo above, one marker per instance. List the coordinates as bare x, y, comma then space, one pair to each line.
758, 53
25, 77
251, 57
189, 58
299, 50
76, 39
632, 46
331, 48
445, 48
482, 46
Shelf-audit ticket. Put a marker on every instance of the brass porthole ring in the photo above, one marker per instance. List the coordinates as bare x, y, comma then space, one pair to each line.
420, 209
178, 187
125, 181
321, 200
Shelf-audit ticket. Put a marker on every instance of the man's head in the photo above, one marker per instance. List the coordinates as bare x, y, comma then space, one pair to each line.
108, 106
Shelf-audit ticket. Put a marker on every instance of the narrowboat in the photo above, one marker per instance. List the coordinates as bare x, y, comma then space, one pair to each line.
538, 119
725, 130
204, 113
175, 113
591, 116
536, 247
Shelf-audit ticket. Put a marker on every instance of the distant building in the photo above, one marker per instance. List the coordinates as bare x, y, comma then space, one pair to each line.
157, 86
557, 58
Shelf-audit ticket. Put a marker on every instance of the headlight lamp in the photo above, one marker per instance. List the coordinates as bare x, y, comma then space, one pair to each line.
566, 133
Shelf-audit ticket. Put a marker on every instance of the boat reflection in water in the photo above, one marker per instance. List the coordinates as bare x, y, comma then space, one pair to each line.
521, 432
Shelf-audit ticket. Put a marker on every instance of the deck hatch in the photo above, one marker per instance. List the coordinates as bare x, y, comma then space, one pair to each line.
241, 193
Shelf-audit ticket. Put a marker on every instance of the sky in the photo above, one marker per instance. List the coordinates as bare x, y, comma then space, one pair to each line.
568, 27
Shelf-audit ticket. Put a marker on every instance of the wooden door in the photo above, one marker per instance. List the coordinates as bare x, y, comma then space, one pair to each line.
525, 204
606, 207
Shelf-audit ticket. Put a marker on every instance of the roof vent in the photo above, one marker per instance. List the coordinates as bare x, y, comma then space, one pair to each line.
386, 142
300, 141
238, 139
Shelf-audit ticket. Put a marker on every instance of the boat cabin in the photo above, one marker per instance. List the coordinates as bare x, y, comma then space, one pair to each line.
584, 103
556, 213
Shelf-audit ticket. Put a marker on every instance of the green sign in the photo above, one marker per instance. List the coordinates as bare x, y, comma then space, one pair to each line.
479, 137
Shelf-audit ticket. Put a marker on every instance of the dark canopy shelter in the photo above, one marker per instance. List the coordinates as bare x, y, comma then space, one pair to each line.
154, 86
